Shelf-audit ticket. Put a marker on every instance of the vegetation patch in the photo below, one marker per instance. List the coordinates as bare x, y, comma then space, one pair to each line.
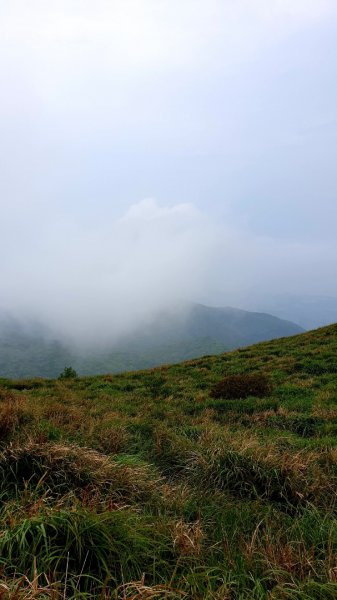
305, 426
242, 386
110, 545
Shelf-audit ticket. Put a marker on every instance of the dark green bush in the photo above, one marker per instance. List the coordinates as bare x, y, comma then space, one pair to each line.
242, 386
68, 373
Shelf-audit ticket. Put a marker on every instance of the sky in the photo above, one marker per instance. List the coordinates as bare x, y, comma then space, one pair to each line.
159, 150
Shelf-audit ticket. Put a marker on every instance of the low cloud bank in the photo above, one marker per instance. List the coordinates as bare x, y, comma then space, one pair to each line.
92, 283
101, 281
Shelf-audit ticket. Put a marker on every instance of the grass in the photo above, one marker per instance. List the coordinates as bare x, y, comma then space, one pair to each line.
144, 485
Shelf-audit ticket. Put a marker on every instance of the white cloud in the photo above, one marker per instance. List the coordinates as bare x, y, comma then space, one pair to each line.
297, 9
96, 283
149, 210
147, 33
121, 98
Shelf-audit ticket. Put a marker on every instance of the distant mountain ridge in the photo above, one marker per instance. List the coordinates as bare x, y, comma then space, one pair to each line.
308, 311
240, 327
31, 351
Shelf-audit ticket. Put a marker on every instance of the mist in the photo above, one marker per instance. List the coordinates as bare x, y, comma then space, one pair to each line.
98, 283
102, 282
158, 154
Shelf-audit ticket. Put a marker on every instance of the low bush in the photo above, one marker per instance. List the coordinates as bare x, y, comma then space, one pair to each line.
242, 386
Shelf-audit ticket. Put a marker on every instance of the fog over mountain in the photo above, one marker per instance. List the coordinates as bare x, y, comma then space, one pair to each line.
158, 153
28, 348
99, 284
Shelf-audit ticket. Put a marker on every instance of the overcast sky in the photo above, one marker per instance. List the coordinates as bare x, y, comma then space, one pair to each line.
153, 150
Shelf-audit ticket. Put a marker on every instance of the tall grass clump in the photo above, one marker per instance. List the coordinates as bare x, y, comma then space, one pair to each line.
63, 468
92, 549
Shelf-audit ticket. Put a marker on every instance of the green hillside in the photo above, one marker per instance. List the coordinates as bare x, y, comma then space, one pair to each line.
152, 484
30, 350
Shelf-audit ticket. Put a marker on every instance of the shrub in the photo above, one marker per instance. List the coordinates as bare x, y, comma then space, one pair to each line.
242, 386
68, 373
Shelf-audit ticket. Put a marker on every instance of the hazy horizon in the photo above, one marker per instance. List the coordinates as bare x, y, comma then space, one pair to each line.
157, 152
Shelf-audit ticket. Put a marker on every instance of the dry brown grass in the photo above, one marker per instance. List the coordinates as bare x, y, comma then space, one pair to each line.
291, 557
113, 439
13, 412
207, 416
25, 589
263, 416
187, 538
62, 415
309, 382
137, 590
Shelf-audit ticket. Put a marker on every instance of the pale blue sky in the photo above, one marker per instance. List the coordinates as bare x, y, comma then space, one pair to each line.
228, 107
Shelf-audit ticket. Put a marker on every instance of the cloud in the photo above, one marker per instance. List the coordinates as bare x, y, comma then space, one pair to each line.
145, 34
149, 210
296, 9
97, 282
200, 104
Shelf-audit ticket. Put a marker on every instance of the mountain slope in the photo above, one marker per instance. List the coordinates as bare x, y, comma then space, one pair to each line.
193, 331
237, 327
145, 485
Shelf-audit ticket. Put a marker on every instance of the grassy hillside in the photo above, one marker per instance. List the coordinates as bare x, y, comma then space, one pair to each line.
144, 485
